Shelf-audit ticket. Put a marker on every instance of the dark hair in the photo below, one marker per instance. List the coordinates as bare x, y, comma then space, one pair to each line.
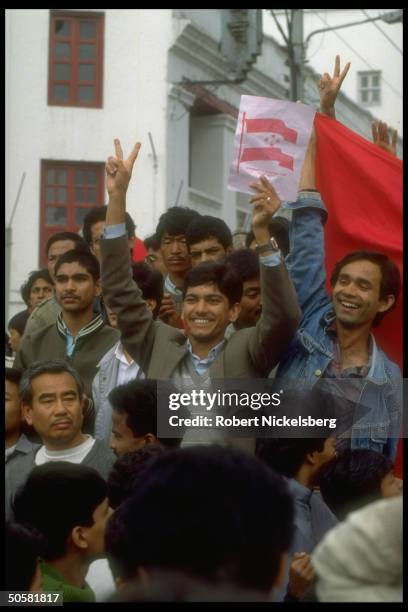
245, 262
37, 368
175, 586
219, 274
57, 497
151, 242
390, 276
99, 214
23, 548
85, 259
205, 227
286, 455
175, 221
352, 480
25, 289
138, 400
13, 375
19, 321
226, 516
279, 229
150, 283
76, 238
127, 471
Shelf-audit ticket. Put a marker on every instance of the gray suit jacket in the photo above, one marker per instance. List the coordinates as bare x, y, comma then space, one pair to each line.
159, 348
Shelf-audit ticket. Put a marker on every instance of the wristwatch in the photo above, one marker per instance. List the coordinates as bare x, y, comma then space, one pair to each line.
272, 245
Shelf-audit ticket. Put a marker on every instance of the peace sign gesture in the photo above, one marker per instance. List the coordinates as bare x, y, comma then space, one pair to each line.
118, 170
329, 87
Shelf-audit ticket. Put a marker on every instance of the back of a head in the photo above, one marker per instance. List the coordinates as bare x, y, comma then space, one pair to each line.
23, 547
79, 242
173, 586
287, 450
226, 517
219, 274
19, 321
352, 480
245, 262
175, 221
56, 497
150, 283
97, 214
151, 242
205, 227
128, 470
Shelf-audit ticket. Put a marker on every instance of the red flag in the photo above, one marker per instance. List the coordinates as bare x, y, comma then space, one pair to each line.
267, 154
277, 126
361, 186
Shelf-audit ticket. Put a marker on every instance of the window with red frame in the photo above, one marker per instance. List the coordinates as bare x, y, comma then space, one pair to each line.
75, 59
68, 191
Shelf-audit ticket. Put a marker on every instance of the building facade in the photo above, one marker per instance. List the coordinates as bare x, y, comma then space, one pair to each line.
77, 79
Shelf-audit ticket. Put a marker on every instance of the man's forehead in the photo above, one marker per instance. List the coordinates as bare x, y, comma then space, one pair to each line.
362, 268
73, 267
61, 246
168, 236
207, 243
205, 289
252, 283
50, 381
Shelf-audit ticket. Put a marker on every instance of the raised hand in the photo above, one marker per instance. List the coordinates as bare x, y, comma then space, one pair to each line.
169, 313
118, 170
266, 202
329, 87
381, 137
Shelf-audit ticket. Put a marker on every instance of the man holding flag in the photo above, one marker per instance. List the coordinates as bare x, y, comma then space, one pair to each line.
334, 344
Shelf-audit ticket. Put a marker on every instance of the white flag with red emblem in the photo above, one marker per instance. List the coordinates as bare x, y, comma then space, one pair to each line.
271, 140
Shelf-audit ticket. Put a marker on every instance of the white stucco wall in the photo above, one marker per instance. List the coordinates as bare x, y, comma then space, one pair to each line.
134, 103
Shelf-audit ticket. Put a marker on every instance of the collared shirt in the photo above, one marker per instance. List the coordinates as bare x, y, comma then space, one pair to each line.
345, 387
202, 365
71, 340
335, 370
126, 371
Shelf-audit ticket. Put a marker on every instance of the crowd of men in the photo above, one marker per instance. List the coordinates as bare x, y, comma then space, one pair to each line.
99, 500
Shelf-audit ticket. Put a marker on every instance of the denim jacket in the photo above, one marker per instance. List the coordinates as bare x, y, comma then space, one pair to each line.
377, 417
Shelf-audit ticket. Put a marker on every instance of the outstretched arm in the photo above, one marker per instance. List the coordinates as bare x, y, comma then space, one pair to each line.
121, 293
280, 313
329, 87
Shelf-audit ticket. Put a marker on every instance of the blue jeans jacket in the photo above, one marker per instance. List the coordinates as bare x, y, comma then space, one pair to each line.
377, 417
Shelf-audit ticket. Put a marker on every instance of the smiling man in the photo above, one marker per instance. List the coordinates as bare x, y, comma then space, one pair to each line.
52, 398
210, 302
334, 346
